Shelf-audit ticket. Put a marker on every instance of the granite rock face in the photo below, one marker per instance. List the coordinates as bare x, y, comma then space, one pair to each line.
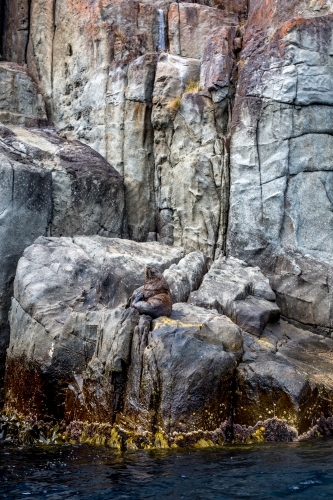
81, 355
107, 82
281, 161
19, 98
49, 185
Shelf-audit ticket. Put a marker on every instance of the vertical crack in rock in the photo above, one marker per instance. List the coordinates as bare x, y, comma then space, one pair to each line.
50, 103
3, 19
28, 31
259, 167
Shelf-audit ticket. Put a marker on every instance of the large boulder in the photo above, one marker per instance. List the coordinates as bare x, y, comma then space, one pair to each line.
93, 358
303, 286
239, 291
86, 193
287, 374
69, 296
187, 366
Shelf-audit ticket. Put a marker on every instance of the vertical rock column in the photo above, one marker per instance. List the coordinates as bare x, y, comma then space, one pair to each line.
281, 197
193, 94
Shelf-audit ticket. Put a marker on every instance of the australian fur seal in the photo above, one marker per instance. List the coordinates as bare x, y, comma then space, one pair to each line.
155, 298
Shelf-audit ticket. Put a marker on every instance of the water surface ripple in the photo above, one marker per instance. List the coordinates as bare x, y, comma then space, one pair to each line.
295, 471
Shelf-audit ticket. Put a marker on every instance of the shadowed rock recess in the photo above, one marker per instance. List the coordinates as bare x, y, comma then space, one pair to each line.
194, 138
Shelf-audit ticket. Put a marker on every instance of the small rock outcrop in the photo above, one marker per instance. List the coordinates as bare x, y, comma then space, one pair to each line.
240, 292
186, 276
303, 287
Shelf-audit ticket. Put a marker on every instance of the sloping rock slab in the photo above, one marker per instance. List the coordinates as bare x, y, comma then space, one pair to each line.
240, 292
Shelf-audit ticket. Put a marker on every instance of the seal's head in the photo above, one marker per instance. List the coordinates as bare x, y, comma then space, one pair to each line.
152, 273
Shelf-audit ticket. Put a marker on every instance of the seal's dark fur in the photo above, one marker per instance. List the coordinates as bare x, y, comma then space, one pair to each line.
155, 298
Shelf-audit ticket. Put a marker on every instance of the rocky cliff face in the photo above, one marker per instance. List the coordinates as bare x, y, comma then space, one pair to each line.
49, 185
104, 83
205, 129
281, 162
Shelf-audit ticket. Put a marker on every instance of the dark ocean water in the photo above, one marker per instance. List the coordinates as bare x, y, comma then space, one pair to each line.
291, 471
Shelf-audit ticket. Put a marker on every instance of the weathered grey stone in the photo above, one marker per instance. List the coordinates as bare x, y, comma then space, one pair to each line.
191, 160
18, 94
217, 61
187, 366
70, 296
186, 276
240, 292
190, 26
281, 162
173, 73
286, 374
303, 287
87, 193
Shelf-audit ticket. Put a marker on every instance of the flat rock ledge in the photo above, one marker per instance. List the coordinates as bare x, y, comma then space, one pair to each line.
83, 366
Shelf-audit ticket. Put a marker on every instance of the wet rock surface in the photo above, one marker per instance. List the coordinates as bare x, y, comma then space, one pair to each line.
69, 296
286, 374
185, 354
